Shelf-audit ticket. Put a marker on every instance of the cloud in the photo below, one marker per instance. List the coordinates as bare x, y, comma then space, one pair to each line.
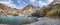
45, 3
50, 0
19, 1
9, 3
42, 3
32, 0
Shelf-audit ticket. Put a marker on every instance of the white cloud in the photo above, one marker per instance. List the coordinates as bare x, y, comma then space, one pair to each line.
19, 1
32, 0
45, 3
9, 3
42, 3
50, 0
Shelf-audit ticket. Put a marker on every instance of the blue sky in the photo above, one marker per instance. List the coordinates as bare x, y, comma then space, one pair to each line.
19, 4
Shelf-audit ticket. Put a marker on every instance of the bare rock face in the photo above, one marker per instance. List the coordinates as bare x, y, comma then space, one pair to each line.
28, 10
55, 1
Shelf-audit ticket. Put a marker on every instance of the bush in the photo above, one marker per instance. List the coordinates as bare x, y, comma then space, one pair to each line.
50, 8
15, 14
47, 9
54, 13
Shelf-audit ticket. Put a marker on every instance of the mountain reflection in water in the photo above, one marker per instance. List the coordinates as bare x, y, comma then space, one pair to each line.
17, 19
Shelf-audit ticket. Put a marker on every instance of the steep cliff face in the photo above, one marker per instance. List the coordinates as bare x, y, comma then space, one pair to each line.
28, 10
55, 2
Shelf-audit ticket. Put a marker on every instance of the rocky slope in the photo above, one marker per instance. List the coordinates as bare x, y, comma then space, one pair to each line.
26, 11
6, 10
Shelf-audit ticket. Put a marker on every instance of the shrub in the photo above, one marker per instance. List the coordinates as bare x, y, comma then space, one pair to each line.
50, 8
47, 9
15, 14
54, 13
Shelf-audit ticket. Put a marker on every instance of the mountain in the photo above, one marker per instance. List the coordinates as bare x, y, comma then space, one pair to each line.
53, 6
56, 1
6, 10
28, 10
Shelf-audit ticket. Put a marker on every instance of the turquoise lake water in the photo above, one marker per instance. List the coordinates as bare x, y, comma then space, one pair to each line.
17, 19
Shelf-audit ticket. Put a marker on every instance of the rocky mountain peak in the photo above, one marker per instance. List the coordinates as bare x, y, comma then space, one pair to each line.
55, 1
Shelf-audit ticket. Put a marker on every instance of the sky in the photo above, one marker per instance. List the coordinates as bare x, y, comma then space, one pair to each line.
19, 4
